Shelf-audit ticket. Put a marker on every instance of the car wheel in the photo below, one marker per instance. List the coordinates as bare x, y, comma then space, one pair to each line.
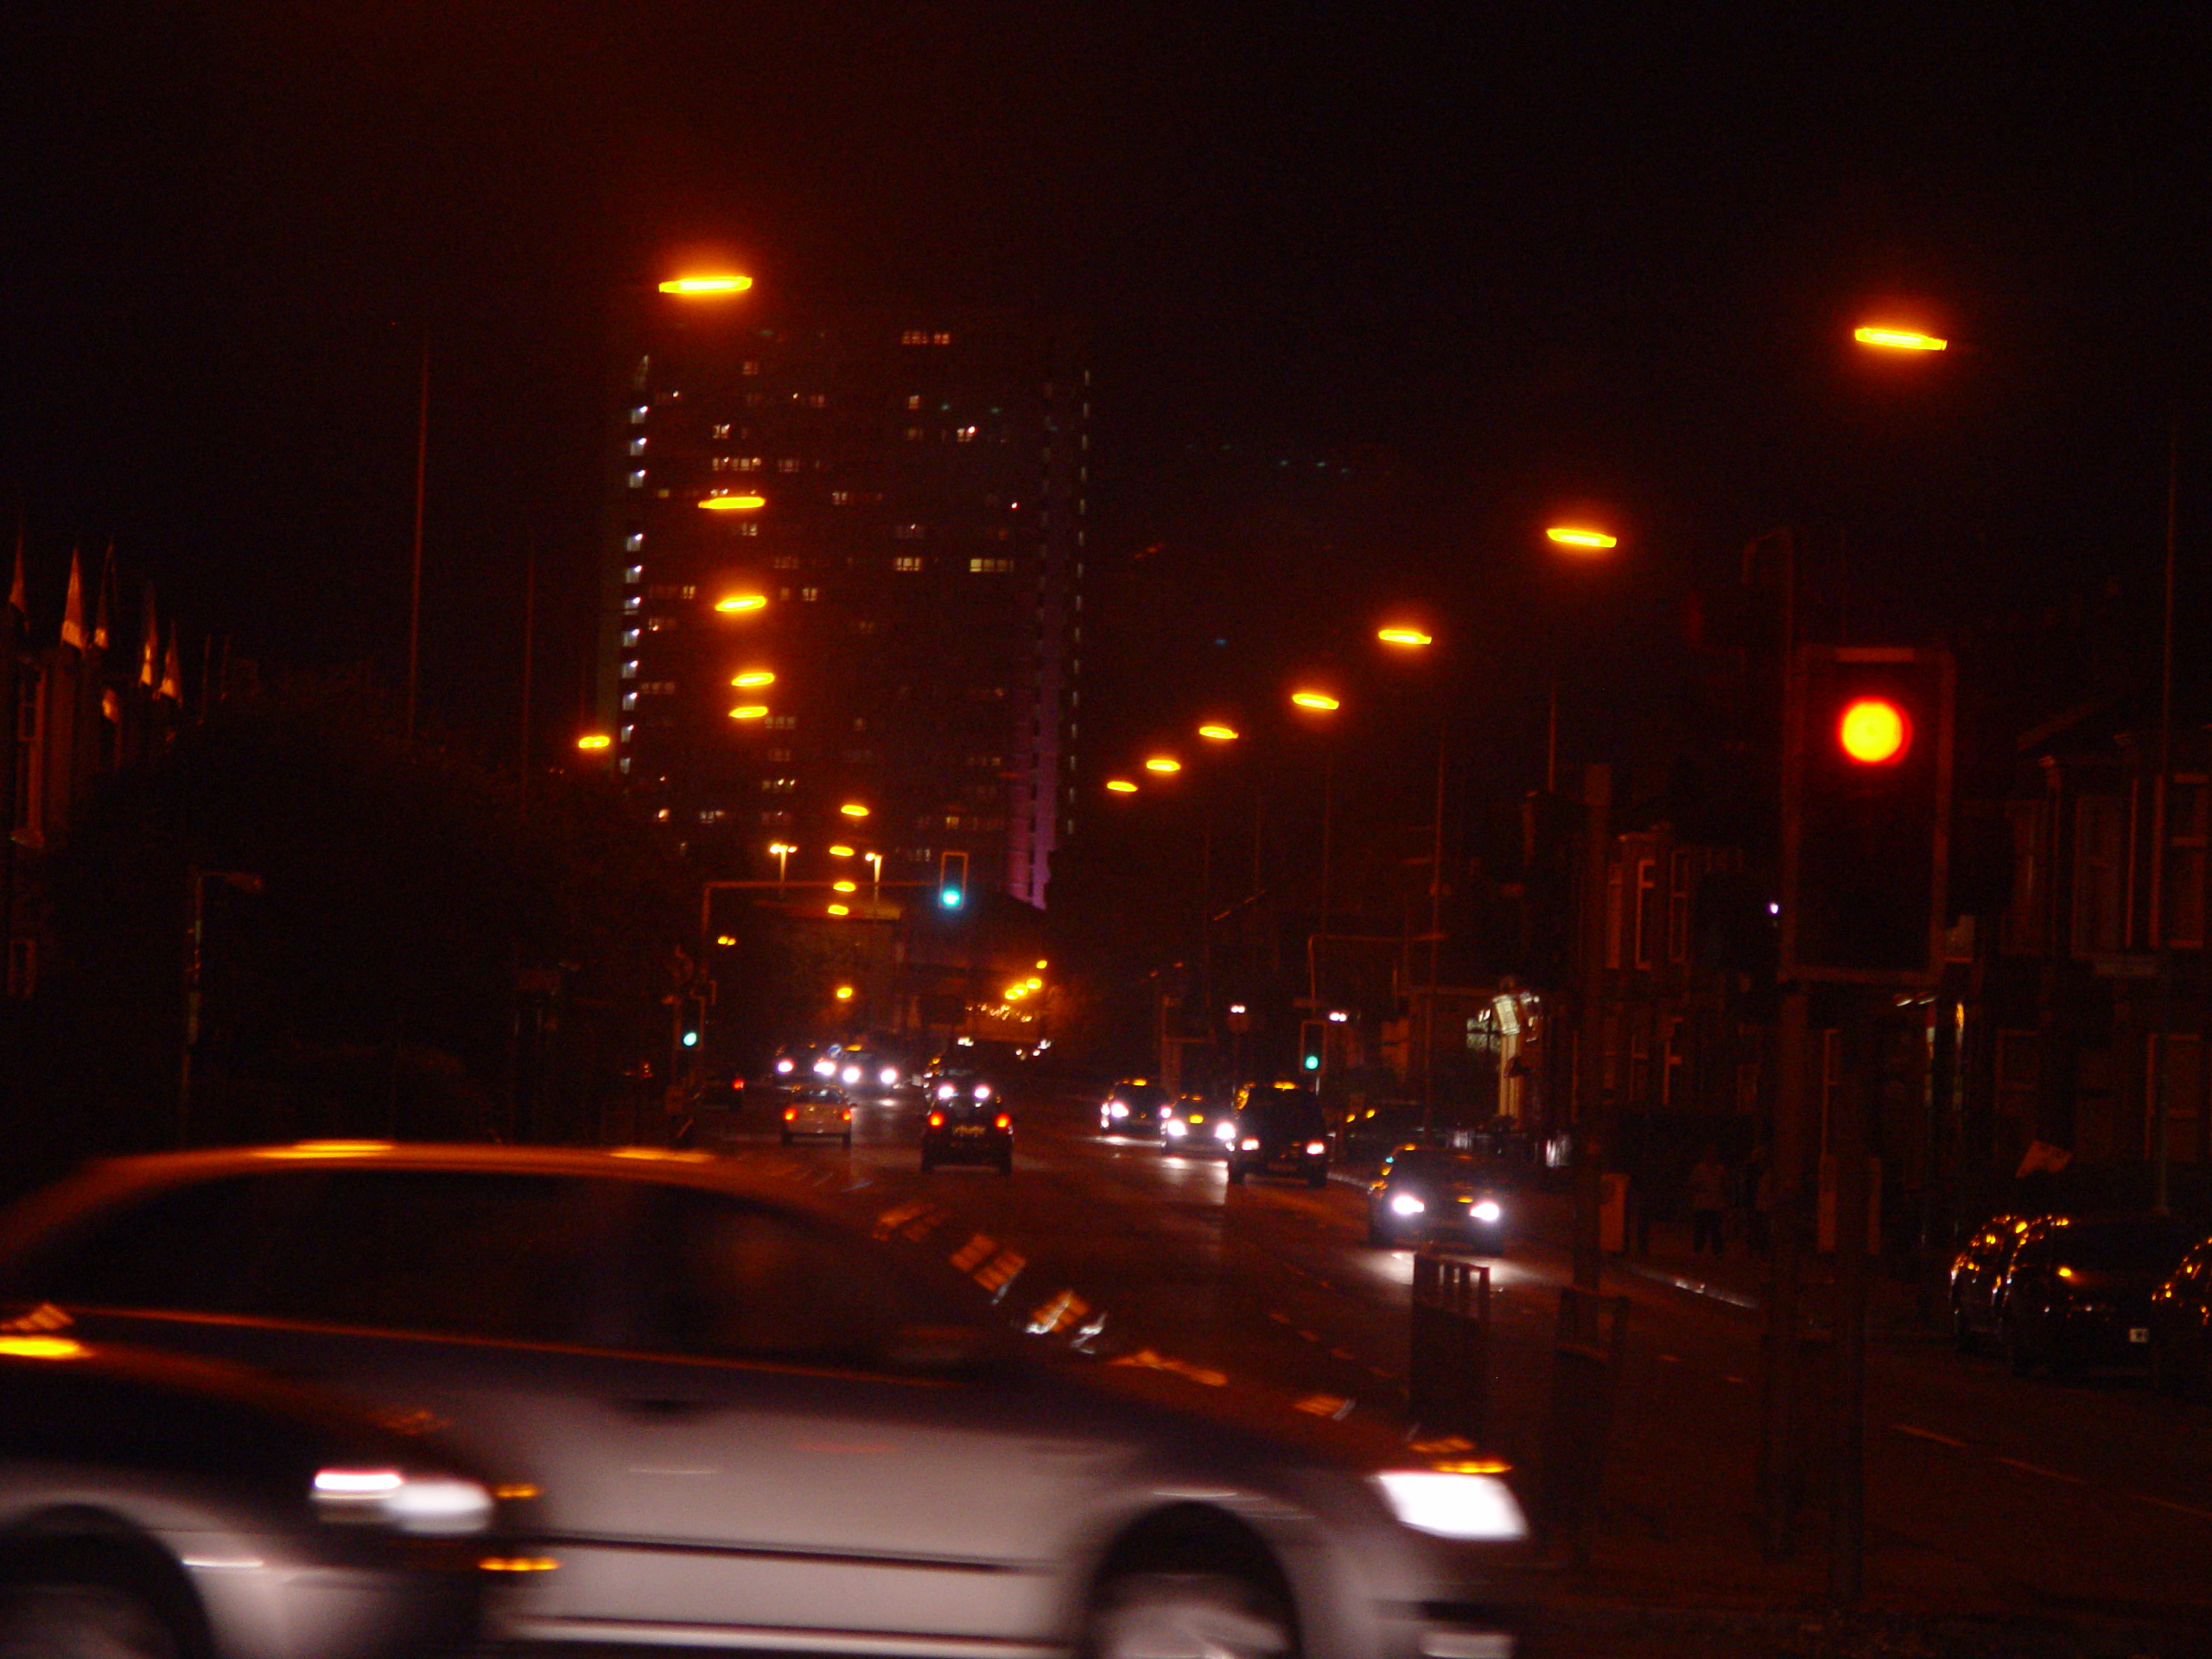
2017, 1358
1186, 1616
84, 1621
1962, 1335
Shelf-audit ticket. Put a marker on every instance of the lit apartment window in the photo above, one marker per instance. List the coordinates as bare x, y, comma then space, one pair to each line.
630, 668
907, 533
629, 700
751, 368
746, 464
638, 415
631, 636
637, 479
810, 595
787, 465
633, 573
711, 815
915, 337
782, 722
784, 561
628, 732
990, 567
636, 446
633, 541
914, 400
722, 429
915, 433
840, 498
906, 562
817, 400
960, 434
630, 605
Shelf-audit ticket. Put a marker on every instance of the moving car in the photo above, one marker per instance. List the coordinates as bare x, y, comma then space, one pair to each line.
2181, 1325
1192, 1123
753, 1424
817, 1109
1280, 1131
967, 1123
1426, 1192
155, 1505
1133, 1106
1978, 1278
2078, 1292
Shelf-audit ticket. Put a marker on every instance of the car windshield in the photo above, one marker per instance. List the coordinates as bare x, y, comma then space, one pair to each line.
2119, 1246
1458, 1166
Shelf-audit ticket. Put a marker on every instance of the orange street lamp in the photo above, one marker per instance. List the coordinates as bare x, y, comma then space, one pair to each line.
854, 810
840, 851
1874, 732
590, 742
783, 850
729, 283
1588, 541
737, 603
844, 993
1407, 637
1219, 733
1121, 786
841, 910
733, 503
1319, 702
749, 711
845, 886
753, 676
1163, 763
1899, 339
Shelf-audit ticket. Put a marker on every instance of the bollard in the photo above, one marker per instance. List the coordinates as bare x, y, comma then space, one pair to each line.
1448, 1377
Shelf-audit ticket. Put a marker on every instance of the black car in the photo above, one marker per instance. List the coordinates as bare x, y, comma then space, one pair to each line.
155, 1506
1133, 1106
2078, 1292
967, 1123
1978, 1278
764, 1419
1280, 1131
1197, 1125
1425, 1192
2181, 1325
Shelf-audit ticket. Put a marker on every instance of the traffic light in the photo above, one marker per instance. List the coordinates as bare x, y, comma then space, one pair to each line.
1866, 809
1313, 1038
952, 880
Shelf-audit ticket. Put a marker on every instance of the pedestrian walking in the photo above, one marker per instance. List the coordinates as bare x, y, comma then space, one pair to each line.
1708, 1202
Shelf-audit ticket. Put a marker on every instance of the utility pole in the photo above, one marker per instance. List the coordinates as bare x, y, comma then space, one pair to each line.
1589, 1059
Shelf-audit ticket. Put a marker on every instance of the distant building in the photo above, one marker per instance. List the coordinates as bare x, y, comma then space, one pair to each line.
843, 566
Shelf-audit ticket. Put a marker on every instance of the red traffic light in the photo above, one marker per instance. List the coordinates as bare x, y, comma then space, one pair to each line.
1874, 732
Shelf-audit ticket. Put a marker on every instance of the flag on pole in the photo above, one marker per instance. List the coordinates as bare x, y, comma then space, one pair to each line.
72, 609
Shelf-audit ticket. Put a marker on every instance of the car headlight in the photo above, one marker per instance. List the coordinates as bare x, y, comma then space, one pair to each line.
1176, 1128
825, 1068
782, 1068
982, 1091
1225, 1131
1452, 1505
1114, 1109
851, 1075
1487, 1210
1317, 1148
447, 1506
1404, 1203
944, 1091
889, 1076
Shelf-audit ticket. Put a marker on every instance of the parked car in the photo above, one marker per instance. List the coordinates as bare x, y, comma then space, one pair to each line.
1978, 1278
2078, 1292
1131, 1106
967, 1123
817, 1109
1197, 1125
155, 1505
1280, 1131
2181, 1325
755, 1424
1426, 1192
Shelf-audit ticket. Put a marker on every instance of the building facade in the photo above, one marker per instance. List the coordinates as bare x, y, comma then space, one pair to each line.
843, 569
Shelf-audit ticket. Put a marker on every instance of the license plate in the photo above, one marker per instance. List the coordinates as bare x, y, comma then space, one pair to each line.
2139, 1333
968, 1128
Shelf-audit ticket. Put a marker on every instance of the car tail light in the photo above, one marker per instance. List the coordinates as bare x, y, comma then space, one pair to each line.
1002, 1122
849, 1114
936, 1119
791, 1114
1316, 1148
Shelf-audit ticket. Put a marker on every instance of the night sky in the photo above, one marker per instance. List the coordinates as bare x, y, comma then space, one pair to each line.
1373, 292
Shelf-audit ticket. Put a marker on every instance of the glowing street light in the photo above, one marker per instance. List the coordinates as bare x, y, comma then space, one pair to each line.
733, 503
1319, 702
783, 850
1163, 763
740, 602
844, 993
1899, 339
875, 881
726, 283
1121, 786
591, 742
753, 677
1218, 734
845, 886
840, 851
841, 910
1411, 637
749, 711
854, 810
1592, 541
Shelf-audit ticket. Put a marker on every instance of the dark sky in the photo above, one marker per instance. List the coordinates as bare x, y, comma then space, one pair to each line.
1445, 266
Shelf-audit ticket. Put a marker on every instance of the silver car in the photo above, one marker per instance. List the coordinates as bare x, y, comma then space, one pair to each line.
752, 1426
152, 1507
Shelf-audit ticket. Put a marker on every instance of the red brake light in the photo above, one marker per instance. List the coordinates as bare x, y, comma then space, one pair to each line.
791, 1114
936, 1119
1002, 1122
849, 1114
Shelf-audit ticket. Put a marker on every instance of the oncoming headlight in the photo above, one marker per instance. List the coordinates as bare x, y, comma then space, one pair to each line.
1488, 1211
1176, 1128
1453, 1506
442, 1506
851, 1075
1224, 1130
945, 1091
982, 1091
1116, 1109
1317, 1148
888, 1077
1404, 1203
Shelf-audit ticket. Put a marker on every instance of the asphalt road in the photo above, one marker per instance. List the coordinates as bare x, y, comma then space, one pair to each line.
1986, 1493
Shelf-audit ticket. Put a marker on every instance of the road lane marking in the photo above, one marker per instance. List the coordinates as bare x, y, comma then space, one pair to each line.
2168, 1504
1928, 1435
2037, 1469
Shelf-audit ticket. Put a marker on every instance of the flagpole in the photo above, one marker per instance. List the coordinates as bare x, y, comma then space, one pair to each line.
415, 567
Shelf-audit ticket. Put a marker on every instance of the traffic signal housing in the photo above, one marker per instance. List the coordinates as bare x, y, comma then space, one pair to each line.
1866, 811
952, 880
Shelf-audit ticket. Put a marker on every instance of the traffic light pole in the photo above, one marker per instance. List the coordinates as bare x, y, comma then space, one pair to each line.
1589, 1059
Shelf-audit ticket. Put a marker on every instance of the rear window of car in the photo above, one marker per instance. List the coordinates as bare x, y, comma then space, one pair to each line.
2117, 1246
181, 1249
